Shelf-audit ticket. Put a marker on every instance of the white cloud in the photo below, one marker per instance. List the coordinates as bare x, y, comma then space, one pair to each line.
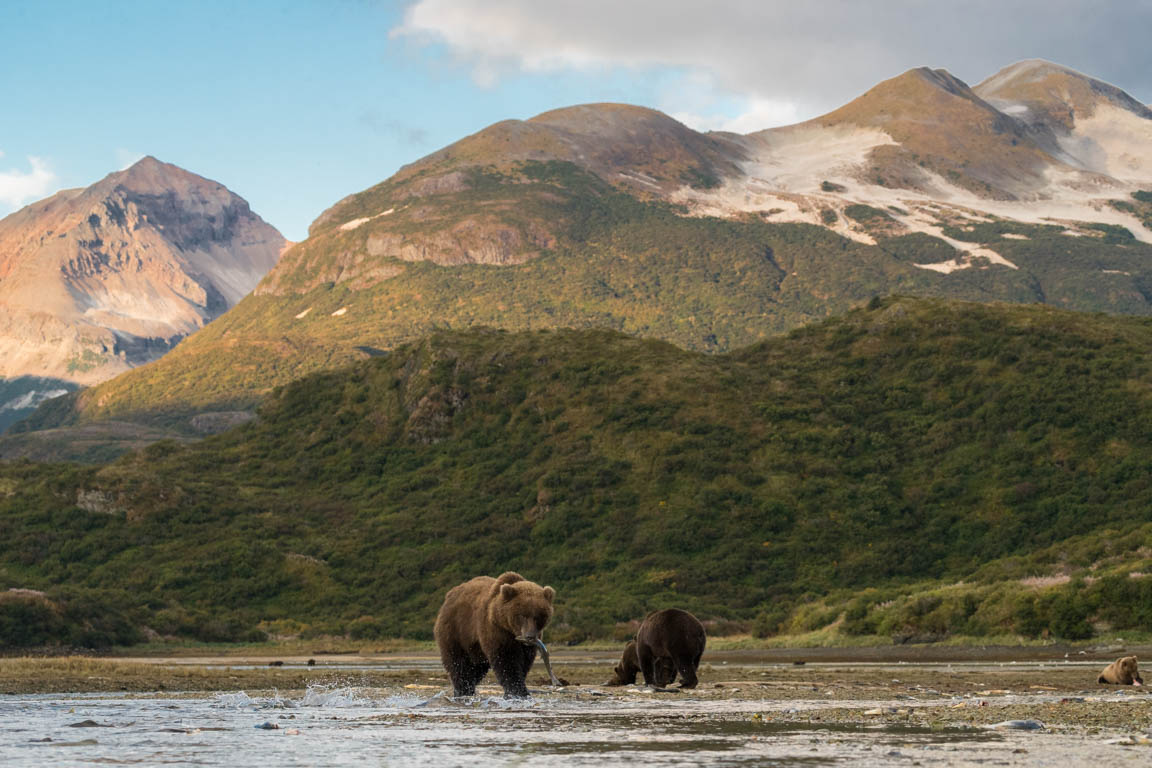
756, 115
126, 158
768, 54
18, 187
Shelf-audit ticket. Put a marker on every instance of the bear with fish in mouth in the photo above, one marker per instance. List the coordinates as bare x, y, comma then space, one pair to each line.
495, 624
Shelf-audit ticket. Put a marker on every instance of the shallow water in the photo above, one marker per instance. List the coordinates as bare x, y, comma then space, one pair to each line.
353, 726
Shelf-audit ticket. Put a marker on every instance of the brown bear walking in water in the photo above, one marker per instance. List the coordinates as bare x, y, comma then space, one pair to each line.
1121, 672
492, 623
668, 643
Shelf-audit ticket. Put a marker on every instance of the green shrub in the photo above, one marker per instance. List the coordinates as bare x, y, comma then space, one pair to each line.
28, 621
768, 623
1069, 615
866, 214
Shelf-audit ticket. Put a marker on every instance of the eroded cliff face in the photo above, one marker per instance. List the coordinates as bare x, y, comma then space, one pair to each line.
99, 280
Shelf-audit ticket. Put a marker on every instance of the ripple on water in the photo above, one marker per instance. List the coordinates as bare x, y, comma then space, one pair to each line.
336, 726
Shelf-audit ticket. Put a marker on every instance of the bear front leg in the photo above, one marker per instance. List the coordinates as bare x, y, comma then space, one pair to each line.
664, 671
466, 675
647, 665
510, 673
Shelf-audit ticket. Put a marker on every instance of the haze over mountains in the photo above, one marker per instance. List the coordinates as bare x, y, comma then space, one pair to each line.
1031, 187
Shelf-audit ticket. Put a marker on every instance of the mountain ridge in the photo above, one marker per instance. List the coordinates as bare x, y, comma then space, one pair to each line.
711, 241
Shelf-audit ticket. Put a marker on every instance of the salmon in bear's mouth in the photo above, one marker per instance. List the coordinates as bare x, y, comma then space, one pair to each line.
547, 661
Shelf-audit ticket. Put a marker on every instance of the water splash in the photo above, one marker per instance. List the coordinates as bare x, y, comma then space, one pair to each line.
339, 697
234, 700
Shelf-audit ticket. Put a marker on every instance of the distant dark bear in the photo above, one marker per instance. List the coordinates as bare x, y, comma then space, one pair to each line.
1121, 672
492, 623
668, 643
629, 666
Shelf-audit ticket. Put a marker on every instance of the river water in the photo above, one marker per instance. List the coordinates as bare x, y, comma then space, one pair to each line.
326, 726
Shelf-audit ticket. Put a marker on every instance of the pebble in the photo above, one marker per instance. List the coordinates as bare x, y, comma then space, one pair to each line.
1019, 725
1131, 741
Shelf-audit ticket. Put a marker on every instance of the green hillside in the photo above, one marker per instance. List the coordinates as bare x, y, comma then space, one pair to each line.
571, 251
852, 471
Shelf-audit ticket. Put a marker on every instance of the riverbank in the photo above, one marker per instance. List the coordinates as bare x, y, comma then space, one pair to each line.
832, 705
940, 684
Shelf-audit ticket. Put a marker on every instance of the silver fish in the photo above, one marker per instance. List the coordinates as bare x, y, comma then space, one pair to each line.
547, 662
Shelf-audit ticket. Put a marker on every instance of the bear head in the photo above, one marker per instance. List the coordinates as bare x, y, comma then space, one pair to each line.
1129, 671
625, 672
520, 607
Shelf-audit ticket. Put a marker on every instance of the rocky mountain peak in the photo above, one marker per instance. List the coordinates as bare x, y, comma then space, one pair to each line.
923, 95
609, 120
939, 125
1041, 92
97, 280
151, 176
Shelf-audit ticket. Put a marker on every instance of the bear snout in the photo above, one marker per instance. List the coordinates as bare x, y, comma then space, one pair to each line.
529, 633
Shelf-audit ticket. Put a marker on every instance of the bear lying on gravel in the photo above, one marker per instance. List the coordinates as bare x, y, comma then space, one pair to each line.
1121, 672
492, 623
668, 643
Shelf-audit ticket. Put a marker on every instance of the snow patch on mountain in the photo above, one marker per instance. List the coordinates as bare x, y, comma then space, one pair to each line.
356, 223
1114, 142
801, 173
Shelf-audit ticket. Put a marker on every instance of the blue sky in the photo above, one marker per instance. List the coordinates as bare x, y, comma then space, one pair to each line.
294, 105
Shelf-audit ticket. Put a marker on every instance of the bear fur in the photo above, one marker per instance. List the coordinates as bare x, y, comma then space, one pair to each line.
629, 666
489, 623
1123, 671
668, 643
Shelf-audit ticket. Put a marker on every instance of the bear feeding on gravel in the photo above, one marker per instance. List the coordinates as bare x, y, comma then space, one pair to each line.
629, 666
1121, 672
668, 643
492, 623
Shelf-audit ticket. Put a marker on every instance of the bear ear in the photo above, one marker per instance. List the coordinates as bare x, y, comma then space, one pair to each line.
509, 577
507, 591
549, 593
